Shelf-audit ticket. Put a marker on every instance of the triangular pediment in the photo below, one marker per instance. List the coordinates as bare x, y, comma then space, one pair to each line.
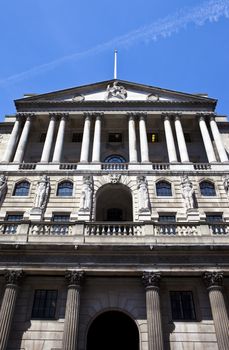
116, 91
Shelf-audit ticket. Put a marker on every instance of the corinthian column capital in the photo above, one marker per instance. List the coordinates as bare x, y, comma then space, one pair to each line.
74, 277
213, 279
13, 276
151, 279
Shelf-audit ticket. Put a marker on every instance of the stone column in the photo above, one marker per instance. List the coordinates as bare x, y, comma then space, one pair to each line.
8, 155
8, 305
155, 336
133, 157
169, 140
181, 140
74, 280
207, 140
18, 158
97, 139
59, 140
48, 140
214, 282
86, 139
143, 139
218, 140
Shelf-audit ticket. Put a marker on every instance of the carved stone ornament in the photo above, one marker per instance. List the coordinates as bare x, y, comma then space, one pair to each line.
13, 276
153, 97
3, 187
213, 279
74, 277
114, 178
42, 192
187, 192
143, 194
78, 98
151, 279
86, 194
226, 184
116, 91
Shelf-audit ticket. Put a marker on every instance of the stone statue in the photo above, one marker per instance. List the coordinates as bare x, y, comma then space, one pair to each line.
86, 194
117, 91
42, 192
187, 192
226, 184
3, 187
143, 195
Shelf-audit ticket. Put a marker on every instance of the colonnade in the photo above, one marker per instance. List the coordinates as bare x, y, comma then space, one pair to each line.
19, 138
151, 281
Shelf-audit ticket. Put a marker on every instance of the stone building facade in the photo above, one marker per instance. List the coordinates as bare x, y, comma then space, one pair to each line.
114, 221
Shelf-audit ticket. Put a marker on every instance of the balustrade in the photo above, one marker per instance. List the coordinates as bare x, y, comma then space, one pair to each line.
114, 166
51, 229
219, 228
176, 229
113, 229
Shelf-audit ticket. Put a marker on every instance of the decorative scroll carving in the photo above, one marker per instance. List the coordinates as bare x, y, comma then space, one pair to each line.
187, 192
86, 194
13, 276
42, 192
3, 187
78, 98
213, 279
153, 97
114, 178
74, 277
117, 91
143, 194
151, 279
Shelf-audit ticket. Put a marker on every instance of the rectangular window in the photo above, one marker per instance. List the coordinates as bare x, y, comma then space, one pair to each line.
152, 137
77, 137
44, 304
61, 217
167, 218
43, 137
182, 306
214, 218
115, 137
12, 227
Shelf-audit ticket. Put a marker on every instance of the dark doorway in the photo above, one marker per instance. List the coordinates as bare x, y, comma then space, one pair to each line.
114, 214
113, 330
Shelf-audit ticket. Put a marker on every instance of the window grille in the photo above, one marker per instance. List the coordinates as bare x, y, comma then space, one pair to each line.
163, 188
182, 306
44, 304
207, 189
65, 189
21, 189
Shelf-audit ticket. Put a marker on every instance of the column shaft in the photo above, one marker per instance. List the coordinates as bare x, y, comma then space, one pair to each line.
218, 140
133, 157
143, 140
12, 141
48, 141
170, 140
181, 140
207, 140
97, 140
59, 141
23, 141
86, 140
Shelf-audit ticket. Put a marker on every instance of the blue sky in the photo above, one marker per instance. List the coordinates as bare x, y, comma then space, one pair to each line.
49, 45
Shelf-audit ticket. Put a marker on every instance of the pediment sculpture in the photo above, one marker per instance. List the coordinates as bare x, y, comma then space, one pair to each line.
116, 91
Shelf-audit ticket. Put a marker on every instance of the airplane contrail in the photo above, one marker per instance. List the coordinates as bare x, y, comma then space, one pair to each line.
208, 11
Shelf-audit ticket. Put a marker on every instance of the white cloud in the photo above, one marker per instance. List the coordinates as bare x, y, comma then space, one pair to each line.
208, 11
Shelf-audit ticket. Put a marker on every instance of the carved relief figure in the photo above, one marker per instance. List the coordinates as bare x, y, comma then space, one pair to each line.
226, 184
42, 192
143, 195
86, 194
116, 90
3, 187
187, 192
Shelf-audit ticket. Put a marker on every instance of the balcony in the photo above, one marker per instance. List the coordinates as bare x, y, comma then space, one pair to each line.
130, 233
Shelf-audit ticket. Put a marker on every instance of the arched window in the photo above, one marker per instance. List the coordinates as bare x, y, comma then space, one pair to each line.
65, 189
115, 158
21, 189
163, 188
207, 188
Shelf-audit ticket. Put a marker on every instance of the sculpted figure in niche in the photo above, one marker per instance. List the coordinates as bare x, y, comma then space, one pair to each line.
42, 192
187, 192
143, 195
226, 184
116, 91
86, 195
3, 187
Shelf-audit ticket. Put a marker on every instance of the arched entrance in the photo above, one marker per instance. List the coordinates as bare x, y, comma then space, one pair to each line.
113, 330
114, 203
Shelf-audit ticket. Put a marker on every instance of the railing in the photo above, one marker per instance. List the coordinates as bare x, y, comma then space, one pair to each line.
177, 229
27, 166
114, 166
202, 166
8, 227
113, 229
48, 229
68, 166
160, 166
219, 229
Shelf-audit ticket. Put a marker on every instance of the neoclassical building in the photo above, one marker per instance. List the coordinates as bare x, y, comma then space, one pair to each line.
114, 221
